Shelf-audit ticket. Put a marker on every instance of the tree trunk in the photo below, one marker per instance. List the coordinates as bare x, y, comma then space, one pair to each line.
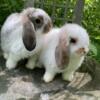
29, 3
78, 11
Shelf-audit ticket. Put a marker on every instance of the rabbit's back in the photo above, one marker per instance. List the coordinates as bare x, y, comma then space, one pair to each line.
10, 33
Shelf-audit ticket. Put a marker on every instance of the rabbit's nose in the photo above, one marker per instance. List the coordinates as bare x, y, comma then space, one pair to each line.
81, 51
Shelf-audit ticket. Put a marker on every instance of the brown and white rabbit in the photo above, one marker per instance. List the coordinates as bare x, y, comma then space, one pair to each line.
21, 34
63, 51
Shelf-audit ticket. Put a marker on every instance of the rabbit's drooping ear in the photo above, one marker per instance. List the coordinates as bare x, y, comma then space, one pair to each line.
62, 53
29, 38
48, 26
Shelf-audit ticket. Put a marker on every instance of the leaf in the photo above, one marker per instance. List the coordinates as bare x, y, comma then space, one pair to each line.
93, 49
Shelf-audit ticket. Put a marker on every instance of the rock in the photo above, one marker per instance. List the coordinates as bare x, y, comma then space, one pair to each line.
25, 84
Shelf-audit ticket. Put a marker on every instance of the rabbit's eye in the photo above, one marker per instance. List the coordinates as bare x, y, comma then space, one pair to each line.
38, 21
73, 40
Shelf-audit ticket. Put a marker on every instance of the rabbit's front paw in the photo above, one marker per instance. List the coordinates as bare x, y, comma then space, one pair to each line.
67, 77
30, 65
48, 77
10, 64
5, 55
31, 62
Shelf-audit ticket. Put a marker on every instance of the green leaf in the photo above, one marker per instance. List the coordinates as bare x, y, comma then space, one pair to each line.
93, 49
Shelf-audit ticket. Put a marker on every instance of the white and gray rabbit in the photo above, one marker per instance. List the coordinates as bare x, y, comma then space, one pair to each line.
63, 51
21, 34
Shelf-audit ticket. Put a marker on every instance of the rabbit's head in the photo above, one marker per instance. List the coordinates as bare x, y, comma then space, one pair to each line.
73, 42
77, 39
36, 22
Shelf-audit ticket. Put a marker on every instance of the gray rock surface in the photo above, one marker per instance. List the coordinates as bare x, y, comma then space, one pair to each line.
25, 84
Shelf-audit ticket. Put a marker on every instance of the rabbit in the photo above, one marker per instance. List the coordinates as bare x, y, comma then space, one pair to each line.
21, 34
64, 50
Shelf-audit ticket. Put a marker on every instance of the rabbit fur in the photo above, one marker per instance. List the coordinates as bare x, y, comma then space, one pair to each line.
63, 51
21, 34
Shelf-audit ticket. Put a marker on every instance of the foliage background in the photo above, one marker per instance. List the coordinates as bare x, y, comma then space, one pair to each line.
91, 16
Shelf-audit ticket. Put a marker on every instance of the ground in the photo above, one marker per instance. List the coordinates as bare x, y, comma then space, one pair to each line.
25, 84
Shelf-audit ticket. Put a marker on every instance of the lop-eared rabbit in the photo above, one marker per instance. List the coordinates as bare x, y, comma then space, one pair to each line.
21, 34
63, 51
